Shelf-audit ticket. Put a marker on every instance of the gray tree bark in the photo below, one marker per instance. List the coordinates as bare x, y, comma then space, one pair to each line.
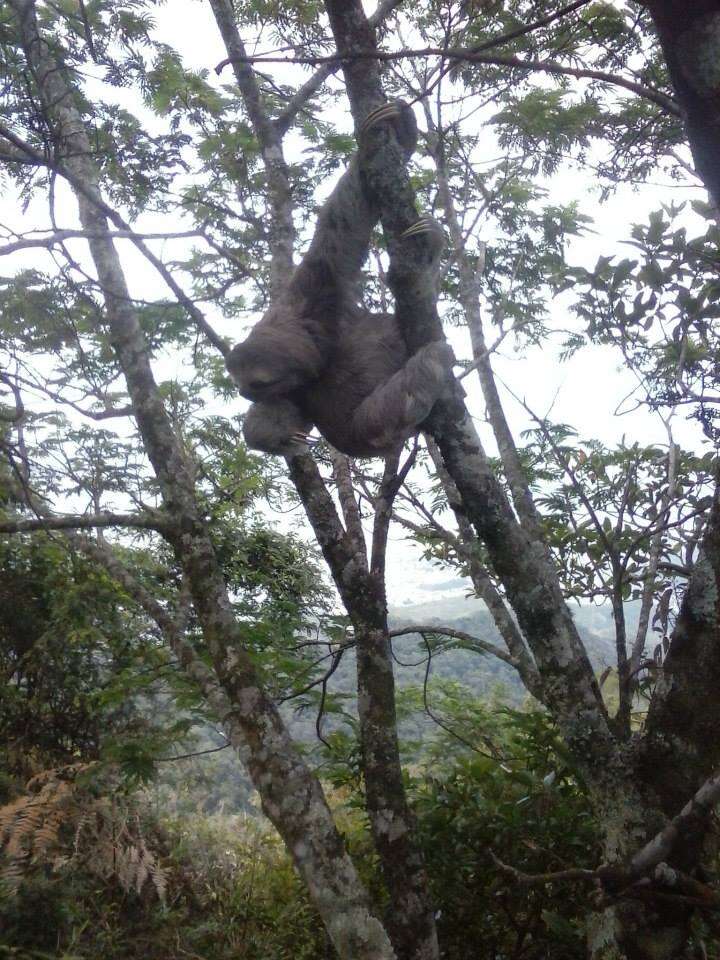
410, 920
629, 807
291, 795
690, 38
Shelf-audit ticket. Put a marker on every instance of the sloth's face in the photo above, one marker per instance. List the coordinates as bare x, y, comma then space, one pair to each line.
263, 377
276, 427
274, 361
263, 383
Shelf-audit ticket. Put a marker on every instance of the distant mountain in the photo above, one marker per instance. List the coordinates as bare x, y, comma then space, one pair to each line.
595, 623
217, 782
482, 674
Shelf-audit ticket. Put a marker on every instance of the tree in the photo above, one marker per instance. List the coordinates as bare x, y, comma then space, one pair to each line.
553, 520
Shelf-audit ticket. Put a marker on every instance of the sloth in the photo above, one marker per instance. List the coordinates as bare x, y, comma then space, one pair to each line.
317, 358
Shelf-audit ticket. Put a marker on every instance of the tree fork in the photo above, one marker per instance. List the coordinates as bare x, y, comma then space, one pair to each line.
530, 582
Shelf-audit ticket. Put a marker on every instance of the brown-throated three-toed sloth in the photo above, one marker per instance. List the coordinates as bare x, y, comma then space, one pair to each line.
318, 358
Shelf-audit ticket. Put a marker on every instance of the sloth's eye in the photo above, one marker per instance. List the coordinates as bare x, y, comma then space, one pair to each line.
258, 383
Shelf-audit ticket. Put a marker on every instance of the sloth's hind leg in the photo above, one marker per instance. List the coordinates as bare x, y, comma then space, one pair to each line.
396, 408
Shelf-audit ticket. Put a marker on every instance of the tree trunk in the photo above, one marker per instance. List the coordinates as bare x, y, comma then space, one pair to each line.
411, 920
291, 795
690, 38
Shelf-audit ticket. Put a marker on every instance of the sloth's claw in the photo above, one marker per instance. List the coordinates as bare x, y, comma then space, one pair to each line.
304, 438
386, 111
423, 225
401, 116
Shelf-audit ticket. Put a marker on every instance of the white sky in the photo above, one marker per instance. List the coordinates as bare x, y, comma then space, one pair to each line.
584, 392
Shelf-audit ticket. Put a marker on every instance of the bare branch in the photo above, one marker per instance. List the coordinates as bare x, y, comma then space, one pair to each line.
18, 414
392, 480
531, 879
58, 236
469, 641
307, 91
348, 504
462, 55
654, 552
468, 295
281, 228
691, 820
84, 522
484, 587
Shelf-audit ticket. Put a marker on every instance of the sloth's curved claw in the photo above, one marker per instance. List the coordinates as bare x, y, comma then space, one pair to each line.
423, 225
431, 238
304, 438
401, 116
386, 111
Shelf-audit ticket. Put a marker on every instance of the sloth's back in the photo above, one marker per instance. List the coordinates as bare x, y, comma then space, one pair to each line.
369, 351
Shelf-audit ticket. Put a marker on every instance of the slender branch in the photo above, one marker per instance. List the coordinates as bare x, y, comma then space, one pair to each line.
532, 879
469, 641
563, 462
460, 54
58, 236
501, 40
531, 27
281, 228
108, 413
654, 552
194, 753
392, 480
18, 414
484, 587
348, 504
469, 296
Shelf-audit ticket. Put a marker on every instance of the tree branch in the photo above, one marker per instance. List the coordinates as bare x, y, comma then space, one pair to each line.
85, 522
529, 579
486, 590
281, 228
58, 236
392, 480
468, 294
463, 55
307, 91
691, 820
348, 504
469, 641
